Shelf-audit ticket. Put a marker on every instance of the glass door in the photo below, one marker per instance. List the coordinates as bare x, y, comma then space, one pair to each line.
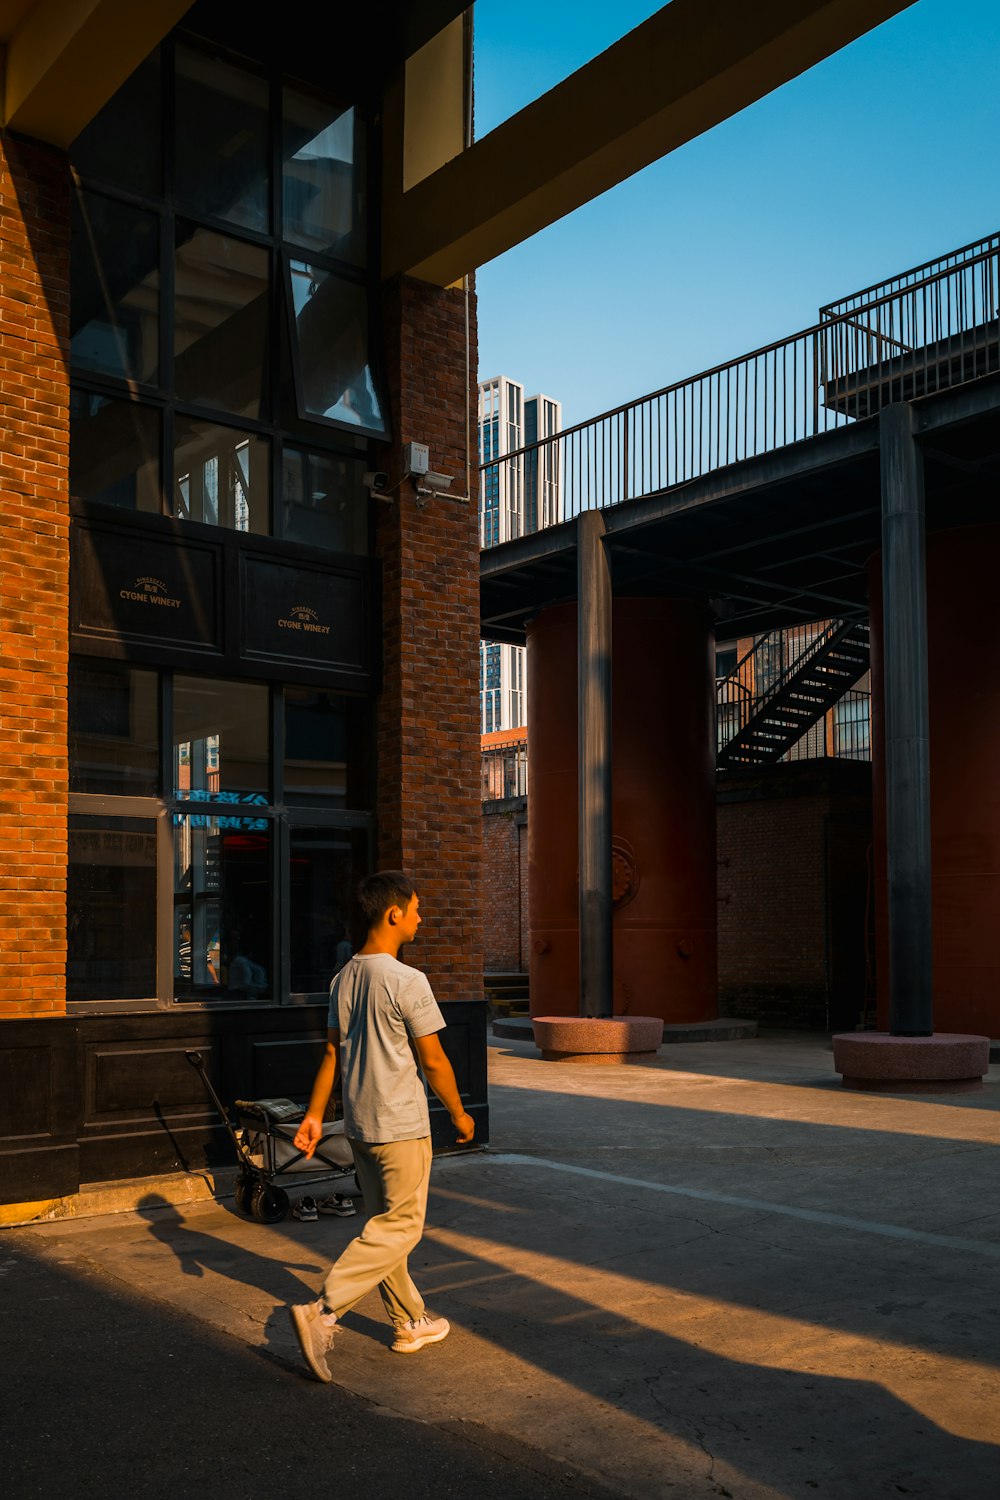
326, 859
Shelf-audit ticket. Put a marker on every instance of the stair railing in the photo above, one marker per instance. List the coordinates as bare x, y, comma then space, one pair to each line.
794, 649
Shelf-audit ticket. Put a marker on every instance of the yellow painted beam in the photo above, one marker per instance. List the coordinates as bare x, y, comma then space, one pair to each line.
65, 59
690, 66
435, 85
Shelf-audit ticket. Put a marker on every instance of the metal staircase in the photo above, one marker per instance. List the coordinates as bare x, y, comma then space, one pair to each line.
764, 710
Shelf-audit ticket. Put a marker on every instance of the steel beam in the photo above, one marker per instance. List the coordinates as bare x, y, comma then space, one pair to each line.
594, 677
907, 757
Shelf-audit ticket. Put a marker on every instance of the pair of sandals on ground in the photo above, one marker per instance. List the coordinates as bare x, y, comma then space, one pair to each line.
338, 1205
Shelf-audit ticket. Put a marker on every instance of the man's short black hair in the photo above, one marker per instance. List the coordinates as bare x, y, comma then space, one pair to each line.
378, 892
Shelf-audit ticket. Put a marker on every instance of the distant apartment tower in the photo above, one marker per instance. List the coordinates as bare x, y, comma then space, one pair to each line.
518, 494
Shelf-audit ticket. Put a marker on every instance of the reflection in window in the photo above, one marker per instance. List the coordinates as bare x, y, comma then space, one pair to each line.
220, 321
326, 865
111, 909
222, 908
324, 502
115, 288
323, 177
221, 142
122, 144
326, 748
114, 452
222, 477
220, 740
113, 729
329, 332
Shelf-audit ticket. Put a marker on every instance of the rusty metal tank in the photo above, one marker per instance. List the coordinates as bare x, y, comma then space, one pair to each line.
663, 811
963, 565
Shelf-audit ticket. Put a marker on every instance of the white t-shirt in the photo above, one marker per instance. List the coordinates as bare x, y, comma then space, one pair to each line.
378, 1004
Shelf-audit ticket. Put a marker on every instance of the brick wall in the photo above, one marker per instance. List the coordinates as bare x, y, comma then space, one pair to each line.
793, 893
429, 812
34, 565
505, 885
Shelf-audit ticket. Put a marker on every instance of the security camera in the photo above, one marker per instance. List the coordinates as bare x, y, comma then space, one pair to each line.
437, 482
376, 481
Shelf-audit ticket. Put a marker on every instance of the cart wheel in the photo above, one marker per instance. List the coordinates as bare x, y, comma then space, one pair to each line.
268, 1204
243, 1192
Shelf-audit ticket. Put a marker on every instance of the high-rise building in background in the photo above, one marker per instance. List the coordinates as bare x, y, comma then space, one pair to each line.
520, 493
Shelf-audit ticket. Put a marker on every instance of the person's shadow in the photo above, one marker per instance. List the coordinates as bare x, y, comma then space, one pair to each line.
197, 1253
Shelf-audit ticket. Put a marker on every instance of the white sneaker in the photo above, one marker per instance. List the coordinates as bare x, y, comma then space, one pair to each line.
417, 1332
315, 1337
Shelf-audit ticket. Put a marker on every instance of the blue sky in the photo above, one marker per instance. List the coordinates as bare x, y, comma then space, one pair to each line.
881, 157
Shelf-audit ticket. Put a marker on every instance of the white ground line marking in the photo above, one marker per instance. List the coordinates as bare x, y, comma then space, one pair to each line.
761, 1205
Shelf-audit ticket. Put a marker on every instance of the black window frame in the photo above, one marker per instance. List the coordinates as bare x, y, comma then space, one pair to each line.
283, 816
344, 441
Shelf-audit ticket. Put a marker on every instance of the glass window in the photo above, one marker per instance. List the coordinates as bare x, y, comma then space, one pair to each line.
221, 142
115, 288
222, 476
326, 865
220, 321
329, 331
111, 909
123, 143
114, 452
221, 740
114, 723
324, 502
323, 177
852, 727
222, 908
326, 748
725, 660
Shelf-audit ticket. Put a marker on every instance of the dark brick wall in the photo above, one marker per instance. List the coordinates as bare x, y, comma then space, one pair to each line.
793, 893
505, 884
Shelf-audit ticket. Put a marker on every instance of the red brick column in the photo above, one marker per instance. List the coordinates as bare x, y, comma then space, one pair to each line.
429, 812
34, 575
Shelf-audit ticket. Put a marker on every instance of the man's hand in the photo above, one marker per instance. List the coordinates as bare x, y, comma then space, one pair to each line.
309, 1134
441, 1077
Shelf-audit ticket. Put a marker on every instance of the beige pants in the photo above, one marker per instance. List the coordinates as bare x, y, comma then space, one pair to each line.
394, 1177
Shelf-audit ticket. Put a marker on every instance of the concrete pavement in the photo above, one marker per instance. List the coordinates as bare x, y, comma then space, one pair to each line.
715, 1274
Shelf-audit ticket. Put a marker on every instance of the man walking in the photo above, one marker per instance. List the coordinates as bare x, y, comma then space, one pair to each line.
383, 1019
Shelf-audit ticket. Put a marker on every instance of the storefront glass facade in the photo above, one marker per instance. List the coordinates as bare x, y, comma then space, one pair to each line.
225, 381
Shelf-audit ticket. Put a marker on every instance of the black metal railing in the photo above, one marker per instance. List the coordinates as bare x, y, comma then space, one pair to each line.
904, 280
504, 770
932, 331
760, 671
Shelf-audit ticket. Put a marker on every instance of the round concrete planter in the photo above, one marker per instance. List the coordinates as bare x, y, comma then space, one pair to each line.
594, 1039
945, 1063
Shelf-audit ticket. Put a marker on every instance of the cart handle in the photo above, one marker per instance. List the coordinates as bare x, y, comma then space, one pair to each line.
198, 1063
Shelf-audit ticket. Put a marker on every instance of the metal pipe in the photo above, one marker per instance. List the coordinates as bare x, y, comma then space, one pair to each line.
594, 679
907, 757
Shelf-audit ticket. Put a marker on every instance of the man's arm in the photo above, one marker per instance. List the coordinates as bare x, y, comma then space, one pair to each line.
310, 1132
441, 1077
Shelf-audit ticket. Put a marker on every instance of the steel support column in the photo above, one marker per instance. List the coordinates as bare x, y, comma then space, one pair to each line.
594, 677
907, 758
